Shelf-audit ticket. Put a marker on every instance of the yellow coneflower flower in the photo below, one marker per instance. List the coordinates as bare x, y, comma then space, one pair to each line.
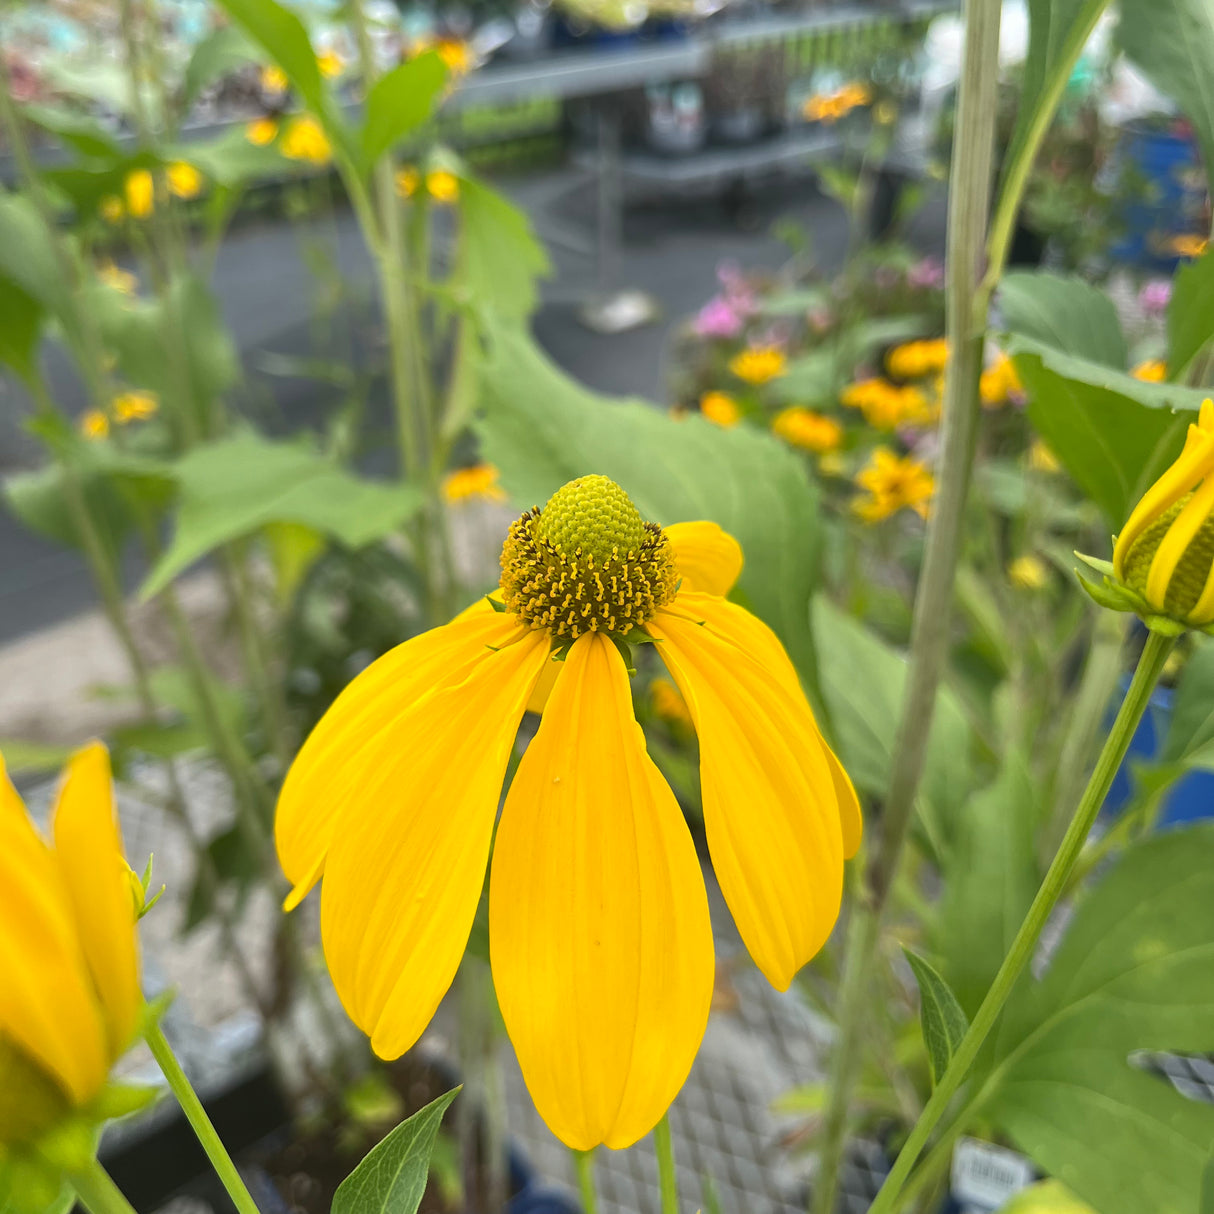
134, 406
600, 938
1151, 371
185, 181
117, 279
758, 364
110, 209
1189, 246
1162, 558
668, 703
71, 999
442, 186
305, 139
802, 427
94, 424
999, 383
1028, 572
331, 64
893, 483
918, 359
274, 79
480, 481
1041, 458
261, 132
720, 408
140, 193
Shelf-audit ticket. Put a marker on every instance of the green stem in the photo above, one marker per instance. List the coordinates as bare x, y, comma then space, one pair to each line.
972, 164
97, 1192
1150, 666
668, 1173
196, 1115
583, 1162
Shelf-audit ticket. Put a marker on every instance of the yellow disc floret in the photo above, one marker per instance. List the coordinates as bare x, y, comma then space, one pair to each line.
586, 562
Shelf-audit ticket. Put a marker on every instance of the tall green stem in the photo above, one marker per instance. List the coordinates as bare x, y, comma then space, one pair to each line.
97, 1192
969, 203
1150, 666
583, 1162
196, 1115
668, 1172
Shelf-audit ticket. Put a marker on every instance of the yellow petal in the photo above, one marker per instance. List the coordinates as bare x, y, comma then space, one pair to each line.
359, 735
770, 809
89, 848
598, 920
408, 853
1176, 540
708, 558
47, 1003
547, 680
750, 634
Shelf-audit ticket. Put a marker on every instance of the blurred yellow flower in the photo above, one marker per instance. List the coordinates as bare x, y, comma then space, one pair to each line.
886, 406
262, 131
1028, 572
801, 427
999, 382
455, 53
830, 107
442, 186
331, 64
273, 78
885, 113
720, 408
117, 279
1189, 246
94, 424
600, 937
1041, 458
305, 139
480, 481
134, 406
1151, 371
917, 359
407, 181
758, 364
832, 464
184, 179
668, 702
140, 193
71, 997
892, 483
111, 209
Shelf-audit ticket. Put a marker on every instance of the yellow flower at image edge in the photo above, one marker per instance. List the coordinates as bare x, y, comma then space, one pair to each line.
1163, 557
758, 364
481, 480
600, 940
70, 1000
893, 483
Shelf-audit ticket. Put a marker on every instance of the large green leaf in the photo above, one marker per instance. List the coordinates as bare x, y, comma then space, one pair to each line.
1113, 433
1064, 313
863, 683
541, 430
232, 159
499, 259
234, 486
1173, 44
400, 101
392, 1176
1190, 312
27, 255
989, 882
20, 328
1135, 971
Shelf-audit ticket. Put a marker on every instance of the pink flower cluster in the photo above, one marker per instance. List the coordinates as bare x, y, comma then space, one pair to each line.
726, 313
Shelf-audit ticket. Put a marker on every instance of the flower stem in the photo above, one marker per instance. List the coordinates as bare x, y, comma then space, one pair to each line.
583, 1162
668, 1173
97, 1192
191, 1106
1150, 666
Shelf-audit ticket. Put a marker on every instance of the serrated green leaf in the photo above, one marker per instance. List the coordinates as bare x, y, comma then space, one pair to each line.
1134, 971
1173, 44
940, 1015
400, 101
392, 1177
1064, 313
235, 486
1190, 313
541, 430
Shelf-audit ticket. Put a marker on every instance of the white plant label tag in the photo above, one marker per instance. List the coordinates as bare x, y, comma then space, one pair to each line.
985, 1176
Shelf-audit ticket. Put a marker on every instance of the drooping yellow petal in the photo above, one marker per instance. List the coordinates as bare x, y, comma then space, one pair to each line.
753, 636
547, 680
598, 920
770, 809
707, 557
1177, 538
408, 851
89, 849
47, 1003
359, 735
